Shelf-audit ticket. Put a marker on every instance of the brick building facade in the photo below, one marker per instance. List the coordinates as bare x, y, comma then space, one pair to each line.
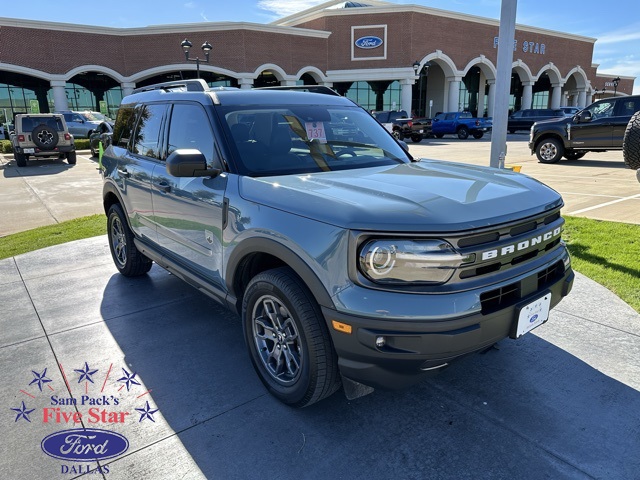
384, 56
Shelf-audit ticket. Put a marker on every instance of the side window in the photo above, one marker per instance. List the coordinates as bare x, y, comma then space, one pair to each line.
602, 109
450, 116
76, 118
190, 128
147, 133
122, 129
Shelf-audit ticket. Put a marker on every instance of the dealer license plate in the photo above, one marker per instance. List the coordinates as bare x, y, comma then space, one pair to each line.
28, 150
533, 315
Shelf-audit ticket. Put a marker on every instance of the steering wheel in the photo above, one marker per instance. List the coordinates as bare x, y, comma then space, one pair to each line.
347, 151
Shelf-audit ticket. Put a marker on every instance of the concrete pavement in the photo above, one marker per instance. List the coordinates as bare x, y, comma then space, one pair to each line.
562, 402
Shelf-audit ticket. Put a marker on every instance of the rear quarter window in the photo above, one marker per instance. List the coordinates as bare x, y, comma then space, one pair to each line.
124, 124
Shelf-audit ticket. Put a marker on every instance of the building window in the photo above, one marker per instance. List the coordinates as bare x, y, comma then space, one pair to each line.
540, 100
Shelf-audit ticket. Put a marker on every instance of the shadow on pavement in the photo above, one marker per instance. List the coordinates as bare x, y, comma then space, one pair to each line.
526, 410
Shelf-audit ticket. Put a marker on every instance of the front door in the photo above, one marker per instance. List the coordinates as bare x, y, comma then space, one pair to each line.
597, 133
188, 210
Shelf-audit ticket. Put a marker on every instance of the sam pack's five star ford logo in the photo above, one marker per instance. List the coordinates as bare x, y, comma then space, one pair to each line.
96, 399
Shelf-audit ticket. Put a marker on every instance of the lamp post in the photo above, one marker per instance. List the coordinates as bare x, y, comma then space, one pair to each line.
425, 70
206, 48
615, 82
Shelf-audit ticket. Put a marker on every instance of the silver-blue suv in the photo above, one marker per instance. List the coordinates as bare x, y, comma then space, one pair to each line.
349, 262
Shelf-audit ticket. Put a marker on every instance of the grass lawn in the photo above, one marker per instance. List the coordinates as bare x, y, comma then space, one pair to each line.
607, 252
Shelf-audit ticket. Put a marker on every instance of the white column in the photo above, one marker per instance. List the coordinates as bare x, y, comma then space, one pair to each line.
454, 94
127, 88
59, 95
582, 99
527, 95
556, 94
245, 83
492, 96
406, 94
588, 100
288, 83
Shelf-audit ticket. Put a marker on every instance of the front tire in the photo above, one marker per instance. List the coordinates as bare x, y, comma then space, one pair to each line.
631, 143
127, 258
463, 133
288, 340
549, 150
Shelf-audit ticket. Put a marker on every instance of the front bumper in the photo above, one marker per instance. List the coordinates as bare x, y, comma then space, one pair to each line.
414, 349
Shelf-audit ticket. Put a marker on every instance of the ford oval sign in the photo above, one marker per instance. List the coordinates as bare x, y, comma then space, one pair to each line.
368, 42
84, 444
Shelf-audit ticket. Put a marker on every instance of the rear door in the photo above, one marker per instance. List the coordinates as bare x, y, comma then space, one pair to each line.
188, 211
625, 108
137, 163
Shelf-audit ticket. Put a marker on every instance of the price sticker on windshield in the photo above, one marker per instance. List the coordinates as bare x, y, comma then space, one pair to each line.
315, 131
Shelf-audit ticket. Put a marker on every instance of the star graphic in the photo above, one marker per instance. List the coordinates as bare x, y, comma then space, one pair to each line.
146, 412
23, 412
40, 378
85, 374
129, 379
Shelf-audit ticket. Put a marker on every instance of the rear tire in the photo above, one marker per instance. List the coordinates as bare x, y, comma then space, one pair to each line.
463, 133
20, 159
127, 258
71, 158
478, 135
288, 340
439, 135
631, 143
416, 138
549, 150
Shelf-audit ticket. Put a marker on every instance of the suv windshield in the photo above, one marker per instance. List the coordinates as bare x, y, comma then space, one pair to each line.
277, 140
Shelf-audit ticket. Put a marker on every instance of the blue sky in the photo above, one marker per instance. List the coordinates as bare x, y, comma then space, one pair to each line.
615, 24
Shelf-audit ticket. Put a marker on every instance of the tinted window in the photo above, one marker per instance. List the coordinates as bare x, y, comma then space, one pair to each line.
147, 133
124, 123
628, 106
189, 128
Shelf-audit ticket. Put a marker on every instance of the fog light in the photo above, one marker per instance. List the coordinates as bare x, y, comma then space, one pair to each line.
380, 342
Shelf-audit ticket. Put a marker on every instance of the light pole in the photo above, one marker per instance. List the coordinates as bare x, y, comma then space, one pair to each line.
615, 82
206, 48
425, 70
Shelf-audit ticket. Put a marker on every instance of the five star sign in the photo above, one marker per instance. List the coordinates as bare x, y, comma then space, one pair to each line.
85, 374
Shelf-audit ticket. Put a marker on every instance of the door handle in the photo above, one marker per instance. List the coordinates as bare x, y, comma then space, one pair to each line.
163, 187
123, 172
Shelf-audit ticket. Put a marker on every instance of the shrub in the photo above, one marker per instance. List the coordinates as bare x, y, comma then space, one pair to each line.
82, 143
5, 146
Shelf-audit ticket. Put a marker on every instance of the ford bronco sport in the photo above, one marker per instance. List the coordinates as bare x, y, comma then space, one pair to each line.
348, 261
41, 135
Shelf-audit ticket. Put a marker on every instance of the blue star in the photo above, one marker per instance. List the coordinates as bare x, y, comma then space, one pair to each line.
146, 412
128, 379
23, 412
85, 374
40, 378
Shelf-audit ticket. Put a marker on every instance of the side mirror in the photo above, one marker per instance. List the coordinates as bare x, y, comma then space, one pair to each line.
189, 163
583, 117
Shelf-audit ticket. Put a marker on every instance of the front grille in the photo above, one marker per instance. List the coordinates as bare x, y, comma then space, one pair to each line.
503, 297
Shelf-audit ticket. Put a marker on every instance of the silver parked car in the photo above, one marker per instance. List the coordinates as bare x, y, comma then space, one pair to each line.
81, 124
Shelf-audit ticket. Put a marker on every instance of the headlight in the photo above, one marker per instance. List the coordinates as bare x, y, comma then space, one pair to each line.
404, 261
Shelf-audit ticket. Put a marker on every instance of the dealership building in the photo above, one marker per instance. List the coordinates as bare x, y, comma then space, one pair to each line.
384, 56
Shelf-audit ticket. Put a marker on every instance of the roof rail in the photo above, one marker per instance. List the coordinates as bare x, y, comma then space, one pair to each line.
304, 88
197, 85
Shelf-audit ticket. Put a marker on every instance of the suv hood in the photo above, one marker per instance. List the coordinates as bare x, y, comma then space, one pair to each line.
426, 196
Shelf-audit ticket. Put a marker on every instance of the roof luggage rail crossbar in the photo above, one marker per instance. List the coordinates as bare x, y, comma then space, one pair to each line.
304, 88
195, 85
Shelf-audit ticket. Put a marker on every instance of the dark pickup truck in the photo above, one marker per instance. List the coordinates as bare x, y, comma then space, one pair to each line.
397, 122
597, 128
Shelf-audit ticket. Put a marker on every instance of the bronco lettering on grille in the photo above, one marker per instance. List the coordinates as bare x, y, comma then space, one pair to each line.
520, 246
